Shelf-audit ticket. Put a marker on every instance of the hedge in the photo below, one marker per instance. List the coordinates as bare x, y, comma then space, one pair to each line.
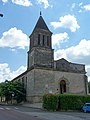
64, 102
70, 102
50, 102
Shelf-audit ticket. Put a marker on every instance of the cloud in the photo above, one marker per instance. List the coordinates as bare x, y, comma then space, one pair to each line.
22, 2
4, 1
59, 38
26, 3
86, 7
67, 21
44, 2
7, 74
14, 38
77, 54
73, 6
80, 4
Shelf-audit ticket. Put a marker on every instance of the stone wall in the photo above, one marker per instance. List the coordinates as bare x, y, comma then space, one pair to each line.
64, 65
41, 81
41, 57
75, 82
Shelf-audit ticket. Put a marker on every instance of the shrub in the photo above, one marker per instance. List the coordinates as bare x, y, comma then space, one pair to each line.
64, 101
70, 102
50, 102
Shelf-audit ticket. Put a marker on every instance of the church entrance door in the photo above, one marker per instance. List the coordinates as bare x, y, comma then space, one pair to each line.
62, 86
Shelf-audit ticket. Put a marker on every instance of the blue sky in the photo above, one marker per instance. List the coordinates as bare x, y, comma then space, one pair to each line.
69, 20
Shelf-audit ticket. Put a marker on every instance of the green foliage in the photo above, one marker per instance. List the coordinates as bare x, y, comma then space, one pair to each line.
20, 92
64, 102
70, 102
11, 89
1, 89
50, 102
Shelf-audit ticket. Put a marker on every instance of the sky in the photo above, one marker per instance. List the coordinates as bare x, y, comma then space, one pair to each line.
69, 21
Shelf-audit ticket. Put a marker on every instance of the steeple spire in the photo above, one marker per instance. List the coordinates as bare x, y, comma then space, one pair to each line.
41, 24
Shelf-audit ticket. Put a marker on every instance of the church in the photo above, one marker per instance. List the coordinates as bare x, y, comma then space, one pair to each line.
45, 75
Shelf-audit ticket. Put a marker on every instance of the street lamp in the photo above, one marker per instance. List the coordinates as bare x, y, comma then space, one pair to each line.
1, 15
12, 95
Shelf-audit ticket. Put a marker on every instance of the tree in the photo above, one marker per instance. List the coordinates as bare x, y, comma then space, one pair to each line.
19, 92
14, 90
1, 90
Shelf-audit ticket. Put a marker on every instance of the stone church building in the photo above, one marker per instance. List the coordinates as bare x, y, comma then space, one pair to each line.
43, 74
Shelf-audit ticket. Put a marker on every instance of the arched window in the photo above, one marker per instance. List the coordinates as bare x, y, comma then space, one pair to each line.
62, 86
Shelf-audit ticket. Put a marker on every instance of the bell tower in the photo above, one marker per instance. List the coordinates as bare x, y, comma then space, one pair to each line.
40, 52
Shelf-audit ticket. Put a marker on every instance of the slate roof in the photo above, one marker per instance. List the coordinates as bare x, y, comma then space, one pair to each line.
41, 24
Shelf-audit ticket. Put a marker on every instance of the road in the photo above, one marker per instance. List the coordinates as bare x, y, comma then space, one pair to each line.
26, 113
14, 113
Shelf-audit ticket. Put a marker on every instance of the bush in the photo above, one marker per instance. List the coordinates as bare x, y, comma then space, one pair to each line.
70, 102
64, 102
50, 102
